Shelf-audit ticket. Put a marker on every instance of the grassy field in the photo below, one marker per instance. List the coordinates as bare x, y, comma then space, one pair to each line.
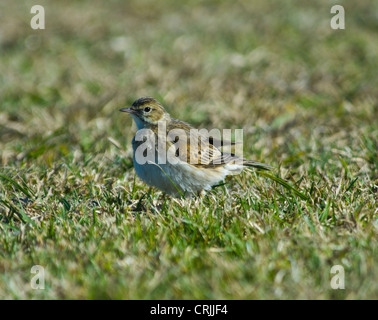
304, 94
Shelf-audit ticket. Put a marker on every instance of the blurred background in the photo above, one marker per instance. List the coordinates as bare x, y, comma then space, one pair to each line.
276, 69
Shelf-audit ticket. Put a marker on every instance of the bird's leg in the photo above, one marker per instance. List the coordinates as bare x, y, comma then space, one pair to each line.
148, 194
201, 193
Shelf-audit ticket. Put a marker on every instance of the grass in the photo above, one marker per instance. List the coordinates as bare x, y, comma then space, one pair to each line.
304, 94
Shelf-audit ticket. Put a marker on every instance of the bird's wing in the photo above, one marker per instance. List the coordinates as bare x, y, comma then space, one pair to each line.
201, 150
196, 149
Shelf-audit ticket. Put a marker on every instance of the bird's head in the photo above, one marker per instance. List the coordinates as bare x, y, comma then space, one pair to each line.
147, 111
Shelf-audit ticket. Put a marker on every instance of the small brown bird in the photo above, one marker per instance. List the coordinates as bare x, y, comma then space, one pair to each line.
181, 160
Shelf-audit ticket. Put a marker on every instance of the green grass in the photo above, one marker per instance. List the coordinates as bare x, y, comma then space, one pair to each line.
305, 95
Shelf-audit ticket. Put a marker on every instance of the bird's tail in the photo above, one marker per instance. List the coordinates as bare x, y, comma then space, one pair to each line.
237, 165
257, 165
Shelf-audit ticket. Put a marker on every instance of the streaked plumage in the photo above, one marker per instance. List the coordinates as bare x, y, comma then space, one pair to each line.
210, 166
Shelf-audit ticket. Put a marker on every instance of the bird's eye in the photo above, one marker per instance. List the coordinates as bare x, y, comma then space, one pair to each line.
147, 109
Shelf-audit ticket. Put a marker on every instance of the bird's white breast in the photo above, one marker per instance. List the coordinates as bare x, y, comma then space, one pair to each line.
177, 178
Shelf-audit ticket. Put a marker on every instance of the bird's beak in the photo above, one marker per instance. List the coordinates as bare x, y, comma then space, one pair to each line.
128, 110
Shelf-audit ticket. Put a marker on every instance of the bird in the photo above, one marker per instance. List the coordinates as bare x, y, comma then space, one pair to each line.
171, 155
